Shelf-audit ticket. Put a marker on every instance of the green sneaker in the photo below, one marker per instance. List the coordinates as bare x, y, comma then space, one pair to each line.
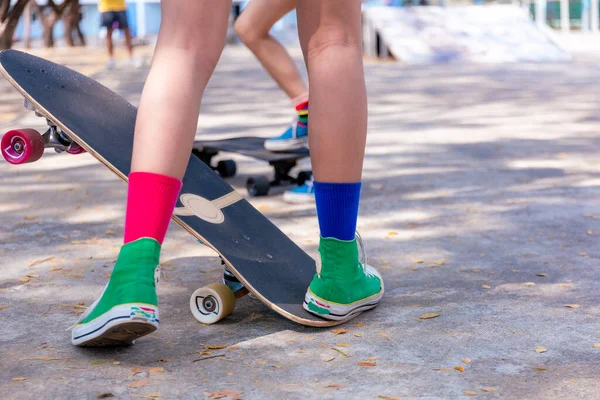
128, 307
342, 286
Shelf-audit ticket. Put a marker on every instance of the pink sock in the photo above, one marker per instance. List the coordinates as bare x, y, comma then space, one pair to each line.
151, 199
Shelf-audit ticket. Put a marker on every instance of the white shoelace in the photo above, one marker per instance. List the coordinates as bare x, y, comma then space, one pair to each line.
362, 255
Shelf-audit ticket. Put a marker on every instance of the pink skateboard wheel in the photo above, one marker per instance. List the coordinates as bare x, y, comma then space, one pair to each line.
22, 146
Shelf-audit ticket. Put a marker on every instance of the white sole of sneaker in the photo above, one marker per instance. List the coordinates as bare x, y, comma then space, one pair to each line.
339, 312
285, 145
120, 326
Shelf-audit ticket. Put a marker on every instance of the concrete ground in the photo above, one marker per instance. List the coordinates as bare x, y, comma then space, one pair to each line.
480, 204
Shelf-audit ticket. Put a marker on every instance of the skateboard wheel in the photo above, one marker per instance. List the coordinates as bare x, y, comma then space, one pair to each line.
212, 303
75, 149
303, 176
226, 168
258, 186
22, 146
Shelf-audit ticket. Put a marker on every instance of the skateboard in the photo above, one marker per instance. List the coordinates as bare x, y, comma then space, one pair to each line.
282, 162
83, 115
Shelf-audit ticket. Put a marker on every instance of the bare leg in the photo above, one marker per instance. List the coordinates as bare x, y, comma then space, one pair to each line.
128, 41
253, 27
190, 43
331, 41
109, 43
332, 45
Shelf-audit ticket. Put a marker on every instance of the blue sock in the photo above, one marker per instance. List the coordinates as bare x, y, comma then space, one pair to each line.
337, 209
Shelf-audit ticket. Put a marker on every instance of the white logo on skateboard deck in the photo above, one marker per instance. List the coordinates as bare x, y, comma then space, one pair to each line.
209, 211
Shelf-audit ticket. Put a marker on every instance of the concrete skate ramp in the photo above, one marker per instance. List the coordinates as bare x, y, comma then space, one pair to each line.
485, 34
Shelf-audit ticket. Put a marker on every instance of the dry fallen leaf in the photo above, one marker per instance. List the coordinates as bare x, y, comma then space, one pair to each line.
157, 369
385, 336
105, 395
3, 307
45, 358
590, 232
488, 389
261, 362
572, 305
438, 263
358, 335
358, 325
529, 284
417, 260
136, 370
340, 331
429, 315
215, 346
323, 346
222, 394
542, 275
25, 279
392, 233
138, 384
55, 269
460, 368
373, 358
540, 349
327, 359
18, 378
470, 393
342, 345
367, 363
442, 369
384, 397
340, 351
596, 345
466, 360
541, 369
335, 386
486, 286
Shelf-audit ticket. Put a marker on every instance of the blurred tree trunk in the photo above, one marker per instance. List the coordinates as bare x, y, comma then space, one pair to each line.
27, 26
9, 19
71, 20
49, 15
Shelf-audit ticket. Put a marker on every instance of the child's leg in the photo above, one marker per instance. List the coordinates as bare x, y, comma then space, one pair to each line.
190, 41
331, 41
253, 27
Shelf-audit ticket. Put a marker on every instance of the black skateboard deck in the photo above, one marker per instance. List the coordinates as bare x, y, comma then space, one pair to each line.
263, 258
282, 162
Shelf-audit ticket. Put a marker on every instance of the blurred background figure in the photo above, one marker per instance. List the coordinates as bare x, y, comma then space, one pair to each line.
113, 15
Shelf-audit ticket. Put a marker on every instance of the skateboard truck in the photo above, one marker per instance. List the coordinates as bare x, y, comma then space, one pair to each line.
260, 185
281, 162
225, 168
21, 146
54, 138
